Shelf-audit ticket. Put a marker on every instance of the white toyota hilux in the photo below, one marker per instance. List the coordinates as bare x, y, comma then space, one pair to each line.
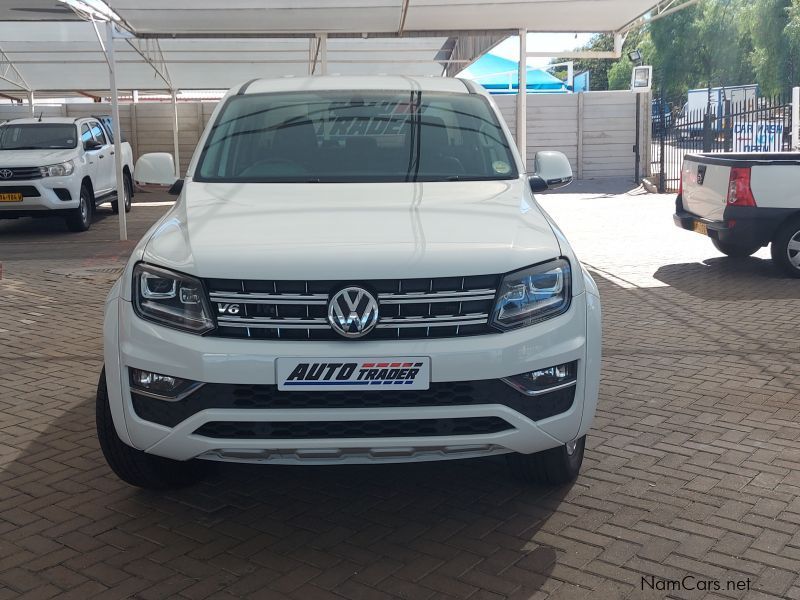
61, 166
355, 271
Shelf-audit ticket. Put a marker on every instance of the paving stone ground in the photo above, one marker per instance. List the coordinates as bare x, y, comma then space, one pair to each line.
692, 470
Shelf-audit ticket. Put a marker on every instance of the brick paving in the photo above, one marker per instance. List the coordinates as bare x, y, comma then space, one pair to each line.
692, 468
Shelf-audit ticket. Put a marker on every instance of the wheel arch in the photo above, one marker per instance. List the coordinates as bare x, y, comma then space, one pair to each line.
126, 174
87, 182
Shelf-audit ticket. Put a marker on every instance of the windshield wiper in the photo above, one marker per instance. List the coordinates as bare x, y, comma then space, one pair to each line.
24, 148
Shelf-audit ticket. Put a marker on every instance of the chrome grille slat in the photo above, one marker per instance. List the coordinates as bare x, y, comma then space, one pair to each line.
254, 298
432, 322
436, 297
278, 324
409, 308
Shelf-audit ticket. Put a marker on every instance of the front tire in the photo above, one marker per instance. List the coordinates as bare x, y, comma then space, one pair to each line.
135, 466
785, 248
556, 466
80, 219
735, 250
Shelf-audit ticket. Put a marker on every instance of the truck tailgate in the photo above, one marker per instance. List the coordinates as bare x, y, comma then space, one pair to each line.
705, 188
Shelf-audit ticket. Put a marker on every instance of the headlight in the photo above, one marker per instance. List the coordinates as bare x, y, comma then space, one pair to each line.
533, 294
170, 298
59, 170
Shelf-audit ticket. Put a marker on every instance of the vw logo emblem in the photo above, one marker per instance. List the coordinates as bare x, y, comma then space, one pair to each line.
6, 173
353, 312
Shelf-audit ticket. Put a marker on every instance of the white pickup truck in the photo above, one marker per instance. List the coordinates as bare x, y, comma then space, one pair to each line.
60, 165
356, 271
744, 202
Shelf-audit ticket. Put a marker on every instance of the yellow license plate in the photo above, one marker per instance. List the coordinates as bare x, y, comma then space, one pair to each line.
700, 227
15, 197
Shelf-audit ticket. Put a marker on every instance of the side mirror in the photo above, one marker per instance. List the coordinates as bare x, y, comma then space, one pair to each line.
551, 169
537, 184
176, 188
155, 171
92, 145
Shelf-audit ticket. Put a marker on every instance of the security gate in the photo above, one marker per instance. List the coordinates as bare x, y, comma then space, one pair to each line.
761, 125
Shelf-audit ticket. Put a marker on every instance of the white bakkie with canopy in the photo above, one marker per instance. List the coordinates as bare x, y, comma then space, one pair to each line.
356, 270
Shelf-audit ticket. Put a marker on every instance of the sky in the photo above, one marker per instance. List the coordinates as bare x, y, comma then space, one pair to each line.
541, 42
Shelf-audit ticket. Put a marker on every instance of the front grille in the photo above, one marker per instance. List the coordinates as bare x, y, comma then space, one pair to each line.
21, 173
27, 191
253, 396
292, 430
409, 308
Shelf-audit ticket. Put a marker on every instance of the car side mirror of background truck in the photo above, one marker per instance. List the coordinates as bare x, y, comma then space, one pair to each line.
155, 171
551, 171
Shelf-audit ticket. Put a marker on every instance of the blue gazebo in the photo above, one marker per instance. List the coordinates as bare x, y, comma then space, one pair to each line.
501, 76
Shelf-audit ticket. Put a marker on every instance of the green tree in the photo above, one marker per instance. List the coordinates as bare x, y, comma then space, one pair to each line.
773, 27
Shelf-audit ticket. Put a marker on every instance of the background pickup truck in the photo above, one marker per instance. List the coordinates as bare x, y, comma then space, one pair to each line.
61, 166
744, 202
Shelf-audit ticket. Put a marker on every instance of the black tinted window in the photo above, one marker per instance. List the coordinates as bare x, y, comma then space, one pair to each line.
356, 136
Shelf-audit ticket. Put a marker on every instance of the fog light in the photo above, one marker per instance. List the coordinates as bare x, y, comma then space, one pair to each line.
164, 387
544, 381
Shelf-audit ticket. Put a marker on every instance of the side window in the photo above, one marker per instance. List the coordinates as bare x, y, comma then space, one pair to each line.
86, 135
97, 132
109, 128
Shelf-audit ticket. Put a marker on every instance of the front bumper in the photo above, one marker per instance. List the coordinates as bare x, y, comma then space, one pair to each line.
468, 412
45, 194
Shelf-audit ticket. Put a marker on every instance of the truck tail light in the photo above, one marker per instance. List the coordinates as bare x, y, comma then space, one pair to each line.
739, 192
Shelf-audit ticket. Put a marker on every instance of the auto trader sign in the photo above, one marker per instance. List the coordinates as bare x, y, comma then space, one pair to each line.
758, 136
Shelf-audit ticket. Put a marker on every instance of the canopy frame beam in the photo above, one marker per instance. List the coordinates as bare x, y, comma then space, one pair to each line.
112, 76
156, 61
10, 73
659, 11
619, 41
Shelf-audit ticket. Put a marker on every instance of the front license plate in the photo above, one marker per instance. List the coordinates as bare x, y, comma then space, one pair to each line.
700, 227
337, 373
15, 197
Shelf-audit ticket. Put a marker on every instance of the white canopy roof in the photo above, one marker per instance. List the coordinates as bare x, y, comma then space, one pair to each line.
67, 56
208, 44
190, 17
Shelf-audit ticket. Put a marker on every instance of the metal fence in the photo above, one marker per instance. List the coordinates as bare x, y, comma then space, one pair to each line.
758, 125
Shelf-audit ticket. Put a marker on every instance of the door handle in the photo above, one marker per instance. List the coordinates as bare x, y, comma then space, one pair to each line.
112, 153
101, 156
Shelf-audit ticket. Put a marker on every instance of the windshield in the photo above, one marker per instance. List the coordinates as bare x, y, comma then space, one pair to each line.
38, 136
352, 136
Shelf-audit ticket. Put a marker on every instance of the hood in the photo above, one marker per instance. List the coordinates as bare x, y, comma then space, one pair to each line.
352, 231
34, 158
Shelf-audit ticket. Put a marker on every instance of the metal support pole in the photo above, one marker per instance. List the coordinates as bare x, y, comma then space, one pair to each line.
123, 225
637, 146
30, 103
323, 53
175, 145
796, 118
522, 98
